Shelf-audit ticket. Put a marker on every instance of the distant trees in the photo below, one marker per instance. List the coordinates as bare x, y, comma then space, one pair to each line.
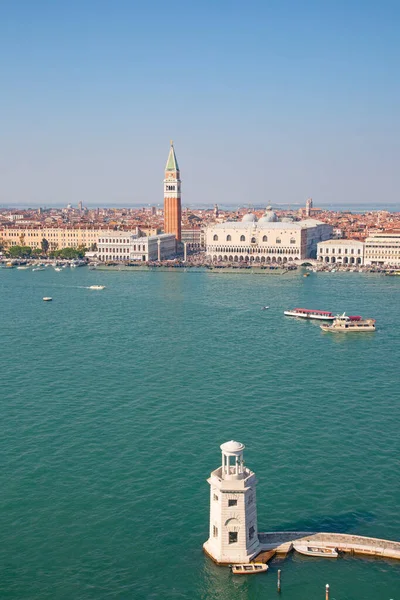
19, 252
28, 252
68, 253
44, 245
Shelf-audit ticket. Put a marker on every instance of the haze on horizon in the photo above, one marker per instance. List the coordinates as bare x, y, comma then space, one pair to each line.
267, 102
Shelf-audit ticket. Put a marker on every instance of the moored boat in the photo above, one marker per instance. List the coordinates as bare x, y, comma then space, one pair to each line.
249, 568
344, 323
309, 550
47, 299
307, 313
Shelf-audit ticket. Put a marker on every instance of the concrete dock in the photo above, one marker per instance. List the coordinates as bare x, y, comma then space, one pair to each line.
282, 543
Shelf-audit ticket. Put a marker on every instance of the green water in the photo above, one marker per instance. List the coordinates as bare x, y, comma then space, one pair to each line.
114, 404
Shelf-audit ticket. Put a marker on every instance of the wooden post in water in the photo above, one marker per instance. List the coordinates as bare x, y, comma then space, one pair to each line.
327, 591
279, 580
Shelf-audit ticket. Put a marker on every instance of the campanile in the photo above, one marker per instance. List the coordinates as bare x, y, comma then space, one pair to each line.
172, 196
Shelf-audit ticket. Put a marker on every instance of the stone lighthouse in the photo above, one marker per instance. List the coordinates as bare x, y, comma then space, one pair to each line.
233, 509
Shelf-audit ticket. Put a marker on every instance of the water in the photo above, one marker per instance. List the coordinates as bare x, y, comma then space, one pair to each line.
114, 403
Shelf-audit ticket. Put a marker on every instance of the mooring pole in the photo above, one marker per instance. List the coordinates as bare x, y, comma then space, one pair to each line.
279, 580
327, 591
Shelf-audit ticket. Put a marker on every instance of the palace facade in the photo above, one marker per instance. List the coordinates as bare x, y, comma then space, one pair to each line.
265, 240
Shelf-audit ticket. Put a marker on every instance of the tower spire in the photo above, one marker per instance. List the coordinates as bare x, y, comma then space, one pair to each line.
172, 195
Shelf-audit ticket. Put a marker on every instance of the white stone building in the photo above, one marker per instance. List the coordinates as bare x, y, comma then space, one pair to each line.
233, 536
341, 252
125, 246
383, 249
265, 240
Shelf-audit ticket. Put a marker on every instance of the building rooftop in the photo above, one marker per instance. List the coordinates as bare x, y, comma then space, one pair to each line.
307, 223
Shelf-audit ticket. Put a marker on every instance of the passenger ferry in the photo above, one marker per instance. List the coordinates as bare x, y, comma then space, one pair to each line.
343, 323
306, 313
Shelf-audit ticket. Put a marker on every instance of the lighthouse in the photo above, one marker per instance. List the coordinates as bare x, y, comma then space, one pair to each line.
233, 535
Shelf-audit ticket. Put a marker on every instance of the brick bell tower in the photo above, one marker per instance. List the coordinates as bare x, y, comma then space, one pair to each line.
172, 196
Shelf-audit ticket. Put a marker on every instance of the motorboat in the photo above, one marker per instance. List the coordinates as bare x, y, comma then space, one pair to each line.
57, 269
22, 268
308, 550
47, 299
344, 323
38, 269
96, 287
307, 313
265, 308
249, 568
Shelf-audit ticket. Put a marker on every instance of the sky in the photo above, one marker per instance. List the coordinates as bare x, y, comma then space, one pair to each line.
267, 101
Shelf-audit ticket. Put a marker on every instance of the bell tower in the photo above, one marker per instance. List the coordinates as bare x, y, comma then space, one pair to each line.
172, 196
233, 536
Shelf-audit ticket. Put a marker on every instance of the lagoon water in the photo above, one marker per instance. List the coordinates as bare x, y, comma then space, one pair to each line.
114, 404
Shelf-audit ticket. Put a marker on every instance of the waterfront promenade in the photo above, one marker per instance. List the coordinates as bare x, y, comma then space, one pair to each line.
282, 543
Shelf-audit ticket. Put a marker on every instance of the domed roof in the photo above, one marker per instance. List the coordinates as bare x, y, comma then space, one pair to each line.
269, 217
232, 446
249, 218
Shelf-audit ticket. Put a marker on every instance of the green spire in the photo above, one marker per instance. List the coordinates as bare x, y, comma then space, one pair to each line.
172, 163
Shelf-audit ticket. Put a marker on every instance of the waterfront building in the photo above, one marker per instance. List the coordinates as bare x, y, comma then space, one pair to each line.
383, 249
266, 239
172, 196
194, 238
124, 246
233, 533
57, 237
341, 252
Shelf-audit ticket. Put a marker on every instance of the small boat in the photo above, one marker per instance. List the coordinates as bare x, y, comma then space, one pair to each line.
306, 313
22, 268
306, 275
38, 269
47, 299
96, 287
57, 269
265, 308
316, 550
249, 568
343, 323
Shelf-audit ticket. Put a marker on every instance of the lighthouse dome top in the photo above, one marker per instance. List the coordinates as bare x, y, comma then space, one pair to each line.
232, 446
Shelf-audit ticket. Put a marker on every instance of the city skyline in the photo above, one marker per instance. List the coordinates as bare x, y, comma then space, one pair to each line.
268, 105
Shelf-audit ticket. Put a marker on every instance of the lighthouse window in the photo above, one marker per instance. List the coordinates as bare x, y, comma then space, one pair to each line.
215, 531
251, 533
232, 502
233, 537
215, 498
250, 500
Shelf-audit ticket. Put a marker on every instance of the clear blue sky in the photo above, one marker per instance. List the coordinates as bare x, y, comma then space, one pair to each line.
267, 101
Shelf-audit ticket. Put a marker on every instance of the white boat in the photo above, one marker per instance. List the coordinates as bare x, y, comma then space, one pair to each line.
265, 308
22, 268
309, 550
249, 568
57, 269
47, 299
306, 313
38, 269
343, 323
96, 287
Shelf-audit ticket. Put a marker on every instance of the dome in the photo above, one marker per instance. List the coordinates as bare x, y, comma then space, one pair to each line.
232, 446
269, 217
249, 218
